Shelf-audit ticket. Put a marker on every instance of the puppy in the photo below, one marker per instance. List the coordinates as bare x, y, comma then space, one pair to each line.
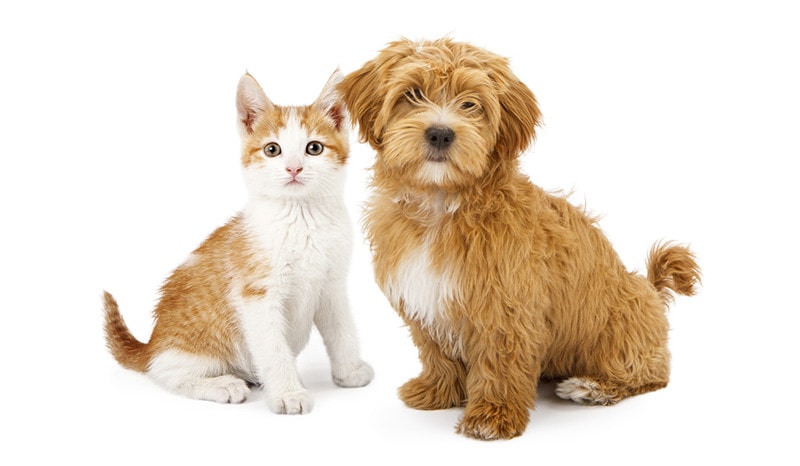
500, 283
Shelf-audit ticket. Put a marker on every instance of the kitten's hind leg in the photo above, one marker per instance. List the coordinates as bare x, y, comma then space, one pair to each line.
197, 377
338, 332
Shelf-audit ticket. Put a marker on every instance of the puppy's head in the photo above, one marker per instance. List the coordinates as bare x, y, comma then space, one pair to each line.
440, 113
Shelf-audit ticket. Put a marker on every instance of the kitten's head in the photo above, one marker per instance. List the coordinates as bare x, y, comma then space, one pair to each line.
291, 152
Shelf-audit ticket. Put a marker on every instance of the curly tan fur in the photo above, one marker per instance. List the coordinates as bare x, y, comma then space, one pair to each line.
500, 283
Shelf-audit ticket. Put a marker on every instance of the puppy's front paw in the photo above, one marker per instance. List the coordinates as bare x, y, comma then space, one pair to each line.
422, 393
492, 422
358, 376
298, 402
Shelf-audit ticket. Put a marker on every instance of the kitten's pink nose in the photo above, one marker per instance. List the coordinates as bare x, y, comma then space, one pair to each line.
294, 170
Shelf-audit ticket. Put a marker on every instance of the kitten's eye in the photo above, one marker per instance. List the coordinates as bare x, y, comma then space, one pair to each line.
414, 96
272, 149
314, 148
468, 105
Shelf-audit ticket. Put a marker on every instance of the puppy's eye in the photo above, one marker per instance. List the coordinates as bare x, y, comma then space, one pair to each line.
414, 96
272, 149
314, 148
468, 105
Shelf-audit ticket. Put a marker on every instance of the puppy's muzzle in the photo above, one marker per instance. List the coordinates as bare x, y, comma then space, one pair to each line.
439, 138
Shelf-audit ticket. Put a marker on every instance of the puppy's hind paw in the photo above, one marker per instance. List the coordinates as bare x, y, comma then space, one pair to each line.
585, 391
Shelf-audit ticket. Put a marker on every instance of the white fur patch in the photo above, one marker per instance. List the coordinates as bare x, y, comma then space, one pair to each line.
434, 172
424, 292
197, 377
307, 244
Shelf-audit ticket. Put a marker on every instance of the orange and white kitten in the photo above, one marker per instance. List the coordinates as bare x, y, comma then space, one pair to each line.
241, 307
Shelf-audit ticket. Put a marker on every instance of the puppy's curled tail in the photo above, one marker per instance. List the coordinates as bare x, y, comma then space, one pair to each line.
672, 268
126, 349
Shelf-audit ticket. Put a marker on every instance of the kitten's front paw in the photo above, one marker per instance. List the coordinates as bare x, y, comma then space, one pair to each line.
358, 376
298, 402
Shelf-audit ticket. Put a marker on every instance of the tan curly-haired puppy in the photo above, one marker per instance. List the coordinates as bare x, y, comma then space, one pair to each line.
501, 284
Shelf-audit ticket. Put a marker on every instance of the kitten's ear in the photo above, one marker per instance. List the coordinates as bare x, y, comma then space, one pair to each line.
330, 101
251, 102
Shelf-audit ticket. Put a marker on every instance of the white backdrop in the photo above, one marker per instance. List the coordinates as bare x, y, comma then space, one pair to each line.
119, 155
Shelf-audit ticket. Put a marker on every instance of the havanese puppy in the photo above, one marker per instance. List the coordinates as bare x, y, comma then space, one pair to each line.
500, 283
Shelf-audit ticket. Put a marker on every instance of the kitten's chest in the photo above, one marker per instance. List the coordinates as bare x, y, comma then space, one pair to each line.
300, 240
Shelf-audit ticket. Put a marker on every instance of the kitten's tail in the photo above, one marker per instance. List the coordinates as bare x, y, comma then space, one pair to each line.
672, 269
126, 349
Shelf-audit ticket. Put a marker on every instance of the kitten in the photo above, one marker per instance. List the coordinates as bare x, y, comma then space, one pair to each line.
240, 308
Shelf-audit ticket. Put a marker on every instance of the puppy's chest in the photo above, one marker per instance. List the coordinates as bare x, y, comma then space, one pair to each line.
424, 290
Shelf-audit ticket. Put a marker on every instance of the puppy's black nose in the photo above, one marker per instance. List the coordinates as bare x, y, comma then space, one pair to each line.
440, 137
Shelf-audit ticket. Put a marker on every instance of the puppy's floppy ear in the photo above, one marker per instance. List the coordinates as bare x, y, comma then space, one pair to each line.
251, 102
364, 100
520, 112
364, 91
